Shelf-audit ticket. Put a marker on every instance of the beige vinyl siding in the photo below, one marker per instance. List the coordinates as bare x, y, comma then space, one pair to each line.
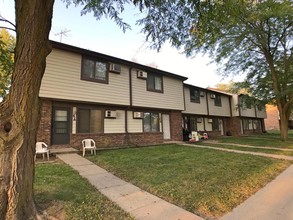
200, 126
171, 98
115, 125
194, 108
62, 80
248, 112
208, 125
223, 110
261, 114
234, 105
133, 125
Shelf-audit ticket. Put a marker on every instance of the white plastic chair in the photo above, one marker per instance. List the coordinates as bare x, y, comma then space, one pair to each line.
88, 144
42, 148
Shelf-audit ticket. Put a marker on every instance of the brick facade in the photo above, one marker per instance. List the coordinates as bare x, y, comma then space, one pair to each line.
233, 126
176, 125
44, 131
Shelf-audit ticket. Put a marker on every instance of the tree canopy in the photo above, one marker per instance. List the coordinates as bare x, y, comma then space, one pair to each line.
248, 37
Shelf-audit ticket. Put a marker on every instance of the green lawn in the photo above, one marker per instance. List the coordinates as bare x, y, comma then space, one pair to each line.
63, 194
204, 181
269, 139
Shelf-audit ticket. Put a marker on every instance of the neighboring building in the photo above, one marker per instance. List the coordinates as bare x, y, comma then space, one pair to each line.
272, 121
119, 103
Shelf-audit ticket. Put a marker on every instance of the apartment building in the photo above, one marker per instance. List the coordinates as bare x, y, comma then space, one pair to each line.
116, 102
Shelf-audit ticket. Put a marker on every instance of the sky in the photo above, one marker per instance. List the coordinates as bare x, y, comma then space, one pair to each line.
104, 36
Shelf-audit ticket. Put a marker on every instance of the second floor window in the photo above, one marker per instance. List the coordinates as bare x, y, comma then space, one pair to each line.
94, 70
194, 95
154, 83
218, 101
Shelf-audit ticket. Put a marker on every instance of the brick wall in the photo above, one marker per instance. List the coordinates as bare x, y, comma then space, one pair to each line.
272, 120
176, 125
233, 125
44, 131
118, 140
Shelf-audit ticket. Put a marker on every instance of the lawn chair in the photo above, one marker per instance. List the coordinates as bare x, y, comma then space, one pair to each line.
42, 148
88, 144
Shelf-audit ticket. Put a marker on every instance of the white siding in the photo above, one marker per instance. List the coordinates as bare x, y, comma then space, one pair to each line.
134, 125
115, 125
171, 98
62, 80
223, 110
194, 108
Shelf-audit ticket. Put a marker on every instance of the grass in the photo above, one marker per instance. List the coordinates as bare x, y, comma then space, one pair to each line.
63, 194
206, 182
269, 139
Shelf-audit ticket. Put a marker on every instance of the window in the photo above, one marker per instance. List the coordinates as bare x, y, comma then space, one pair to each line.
218, 101
151, 122
215, 124
154, 83
89, 121
247, 124
194, 95
94, 70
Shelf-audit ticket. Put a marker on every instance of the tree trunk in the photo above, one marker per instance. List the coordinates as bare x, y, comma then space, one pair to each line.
19, 112
284, 120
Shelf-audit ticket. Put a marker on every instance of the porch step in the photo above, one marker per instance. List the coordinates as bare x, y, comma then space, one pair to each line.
63, 150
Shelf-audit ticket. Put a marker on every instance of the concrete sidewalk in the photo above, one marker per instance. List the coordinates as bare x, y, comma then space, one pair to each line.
138, 203
273, 202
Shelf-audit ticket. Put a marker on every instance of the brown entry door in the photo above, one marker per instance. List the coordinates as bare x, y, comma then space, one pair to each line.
60, 128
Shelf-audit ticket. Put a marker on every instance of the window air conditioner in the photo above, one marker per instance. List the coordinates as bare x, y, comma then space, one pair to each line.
137, 114
210, 120
141, 74
110, 114
199, 120
213, 96
115, 68
201, 93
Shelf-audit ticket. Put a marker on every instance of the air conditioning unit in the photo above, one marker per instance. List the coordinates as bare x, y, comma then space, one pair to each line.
141, 74
201, 93
199, 120
116, 68
110, 114
137, 114
213, 96
210, 120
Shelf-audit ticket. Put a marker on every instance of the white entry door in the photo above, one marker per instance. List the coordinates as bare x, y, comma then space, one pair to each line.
221, 126
166, 126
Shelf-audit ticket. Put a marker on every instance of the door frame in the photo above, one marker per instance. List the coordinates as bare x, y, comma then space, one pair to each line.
68, 109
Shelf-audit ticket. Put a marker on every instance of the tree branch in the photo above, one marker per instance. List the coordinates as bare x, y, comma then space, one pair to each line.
8, 28
7, 21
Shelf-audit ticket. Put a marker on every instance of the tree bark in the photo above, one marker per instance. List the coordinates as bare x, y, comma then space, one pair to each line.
284, 121
19, 112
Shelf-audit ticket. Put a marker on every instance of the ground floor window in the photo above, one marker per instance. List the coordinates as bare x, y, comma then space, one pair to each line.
89, 121
151, 122
247, 124
215, 124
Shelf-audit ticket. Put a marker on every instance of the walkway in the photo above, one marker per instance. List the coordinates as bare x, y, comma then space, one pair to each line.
138, 203
276, 156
